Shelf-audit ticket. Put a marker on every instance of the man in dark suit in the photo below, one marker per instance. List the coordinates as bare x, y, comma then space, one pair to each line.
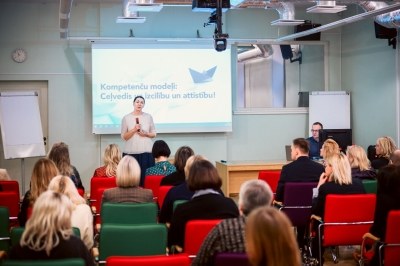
302, 169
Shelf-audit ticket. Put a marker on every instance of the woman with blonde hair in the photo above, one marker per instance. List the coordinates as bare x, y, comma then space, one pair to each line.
111, 157
329, 147
81, 217
335, 180
270, 240
43, 171
359, 163
384, 147
48, 234
60, 156
128, 179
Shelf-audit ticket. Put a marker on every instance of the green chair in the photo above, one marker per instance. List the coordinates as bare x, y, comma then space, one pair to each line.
129, 214
16, 234
4, 230
370, 186
61, 262
132, 240
176, 203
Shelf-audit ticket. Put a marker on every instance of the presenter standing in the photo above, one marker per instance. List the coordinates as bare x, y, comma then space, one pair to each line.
137, 129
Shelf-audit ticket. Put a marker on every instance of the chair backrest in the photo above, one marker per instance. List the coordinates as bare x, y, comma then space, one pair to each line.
176, 203
132, 240
371, 186
4, 230
61, 262
129, 213
271, 177
97, 182
392, 237
153, 182
16, 234
11, 185
11, 201
162, 192
297, 199
195, 233
171, 260
231, 259
358, 209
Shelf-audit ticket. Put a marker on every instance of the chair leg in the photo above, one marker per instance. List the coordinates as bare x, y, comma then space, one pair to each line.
335, 254
320, 245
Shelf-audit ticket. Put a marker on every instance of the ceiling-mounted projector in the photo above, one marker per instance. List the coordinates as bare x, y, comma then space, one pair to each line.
209, 5
131, 19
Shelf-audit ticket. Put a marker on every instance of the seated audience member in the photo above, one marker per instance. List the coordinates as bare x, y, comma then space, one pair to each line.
359, 163
270, 240
128, 190
60, 156
384, 147
178, 177
388, 199
228, 236
395, 158
205, 204
302, 169
4, 175
180, 192
48, 234
43, 171
314, 141
111, 158
329, 147
161, 152
82, 216
336, 180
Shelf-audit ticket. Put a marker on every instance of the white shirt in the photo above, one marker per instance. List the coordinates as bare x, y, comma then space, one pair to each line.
137, 144
82, 218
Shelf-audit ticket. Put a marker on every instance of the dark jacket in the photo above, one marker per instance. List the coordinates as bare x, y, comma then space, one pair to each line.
301, 170
174, 179
209, 206
379, 162
327, 188
363, 175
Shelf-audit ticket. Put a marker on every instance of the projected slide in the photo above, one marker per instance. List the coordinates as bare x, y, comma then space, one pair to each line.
187, 87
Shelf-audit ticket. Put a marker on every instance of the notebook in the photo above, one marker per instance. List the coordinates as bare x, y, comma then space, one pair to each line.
288, 153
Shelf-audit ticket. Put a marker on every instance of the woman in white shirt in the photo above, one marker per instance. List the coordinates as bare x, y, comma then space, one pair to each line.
81, 217
137, 129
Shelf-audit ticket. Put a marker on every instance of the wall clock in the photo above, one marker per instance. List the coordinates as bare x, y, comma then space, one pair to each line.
19, 55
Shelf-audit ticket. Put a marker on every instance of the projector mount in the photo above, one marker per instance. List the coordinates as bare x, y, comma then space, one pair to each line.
219, 37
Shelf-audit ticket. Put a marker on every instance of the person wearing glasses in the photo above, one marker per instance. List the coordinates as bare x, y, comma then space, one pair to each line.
314, 141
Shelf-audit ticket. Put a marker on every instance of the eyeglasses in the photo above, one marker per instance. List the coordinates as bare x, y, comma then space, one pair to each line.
312, 130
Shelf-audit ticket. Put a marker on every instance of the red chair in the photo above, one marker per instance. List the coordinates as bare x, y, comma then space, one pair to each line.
81, 192
10, 200
347, 218
153, 182
271, 177
162, 192
10, 185
172, 260
391, 246
95, 184
195, 233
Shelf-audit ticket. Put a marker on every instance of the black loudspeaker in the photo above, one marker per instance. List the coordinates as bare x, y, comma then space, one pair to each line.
303, 99
383, 32
286, 50
307, 26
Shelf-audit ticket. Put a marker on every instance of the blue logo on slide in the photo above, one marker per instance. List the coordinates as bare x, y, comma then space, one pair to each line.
200, 77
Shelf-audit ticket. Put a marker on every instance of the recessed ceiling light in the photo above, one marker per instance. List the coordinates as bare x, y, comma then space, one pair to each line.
145, 7
326, 9
131, 19
286, 22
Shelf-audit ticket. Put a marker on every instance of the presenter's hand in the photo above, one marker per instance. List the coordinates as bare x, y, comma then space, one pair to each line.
137, 127
143, 134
